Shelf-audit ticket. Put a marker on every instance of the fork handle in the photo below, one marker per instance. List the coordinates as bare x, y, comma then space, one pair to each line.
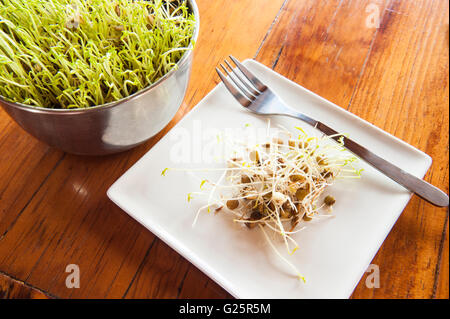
416, 185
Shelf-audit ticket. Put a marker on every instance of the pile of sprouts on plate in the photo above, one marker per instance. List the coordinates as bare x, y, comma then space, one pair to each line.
278, 185
83, 53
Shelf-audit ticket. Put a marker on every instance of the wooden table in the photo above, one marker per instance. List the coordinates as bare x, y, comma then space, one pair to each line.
53, 206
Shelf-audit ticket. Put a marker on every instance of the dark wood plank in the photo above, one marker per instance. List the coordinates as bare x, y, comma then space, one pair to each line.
62, 224
25, 163
14, 289
322, 46
197, 285
441, 282
404, 90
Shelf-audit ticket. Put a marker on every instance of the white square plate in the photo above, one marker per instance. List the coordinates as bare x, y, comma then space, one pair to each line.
333, 253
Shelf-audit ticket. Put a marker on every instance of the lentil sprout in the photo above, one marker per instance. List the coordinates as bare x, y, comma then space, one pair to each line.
277, 184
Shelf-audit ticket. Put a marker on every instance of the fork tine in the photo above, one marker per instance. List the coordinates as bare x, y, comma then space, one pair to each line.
238, 83
237, 95
249, 87
250, 76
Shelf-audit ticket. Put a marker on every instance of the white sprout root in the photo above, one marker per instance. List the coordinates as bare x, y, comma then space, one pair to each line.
279, 183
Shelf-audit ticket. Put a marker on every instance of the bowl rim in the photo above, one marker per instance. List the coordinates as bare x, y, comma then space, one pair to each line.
180, 63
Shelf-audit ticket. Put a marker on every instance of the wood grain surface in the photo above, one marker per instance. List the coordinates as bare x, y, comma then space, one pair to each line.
15, 289
53, 206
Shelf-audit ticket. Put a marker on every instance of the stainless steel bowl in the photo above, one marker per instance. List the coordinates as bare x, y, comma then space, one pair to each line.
112, 127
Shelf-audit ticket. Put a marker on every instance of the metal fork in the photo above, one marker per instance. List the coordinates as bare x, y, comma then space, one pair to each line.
256, 97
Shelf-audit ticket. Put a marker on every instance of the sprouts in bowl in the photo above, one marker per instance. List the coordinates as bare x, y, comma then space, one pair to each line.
78, 54
88, 103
